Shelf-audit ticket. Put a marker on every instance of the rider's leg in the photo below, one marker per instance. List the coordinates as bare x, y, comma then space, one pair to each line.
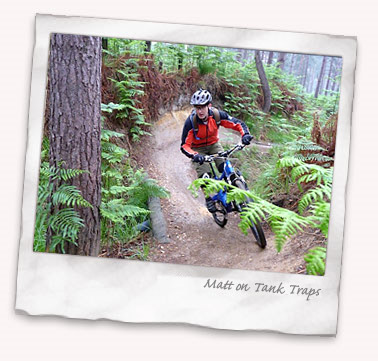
209, 201
204, 171
214, 149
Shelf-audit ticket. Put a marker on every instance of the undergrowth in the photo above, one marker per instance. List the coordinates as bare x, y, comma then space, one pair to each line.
125, 194
65, 224
124, 205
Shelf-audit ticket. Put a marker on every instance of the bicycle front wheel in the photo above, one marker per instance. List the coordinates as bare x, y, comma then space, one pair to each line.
220, 216
256, 228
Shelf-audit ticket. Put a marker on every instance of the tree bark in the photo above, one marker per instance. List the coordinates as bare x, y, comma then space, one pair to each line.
312, 83
324, 80
264, 82
281, 60
292, 63
270, 58
148, 46
299, 68
104, 43
329, 77
320, 77
245, 55
337, 72
75, 127
305, 71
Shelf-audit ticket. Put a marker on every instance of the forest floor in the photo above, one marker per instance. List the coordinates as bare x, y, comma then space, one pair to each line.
194, 237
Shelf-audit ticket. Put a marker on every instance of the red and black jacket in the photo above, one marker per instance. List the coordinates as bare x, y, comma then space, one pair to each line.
207, 134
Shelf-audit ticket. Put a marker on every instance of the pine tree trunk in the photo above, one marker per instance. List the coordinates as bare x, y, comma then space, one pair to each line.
270, 59
305, 71
300, 66
281, 60
329, 77
264, 83
323, 83
336, 74
321, 75
75, 128
311, 83
104, 43
292, 63
245, 55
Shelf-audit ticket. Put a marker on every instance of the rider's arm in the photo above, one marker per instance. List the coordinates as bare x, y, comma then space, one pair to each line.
187, 139
233, 123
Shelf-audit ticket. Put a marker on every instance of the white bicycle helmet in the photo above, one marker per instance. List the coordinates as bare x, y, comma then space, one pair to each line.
201, 97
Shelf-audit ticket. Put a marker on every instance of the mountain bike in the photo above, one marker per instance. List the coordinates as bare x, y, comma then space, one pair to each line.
235, 178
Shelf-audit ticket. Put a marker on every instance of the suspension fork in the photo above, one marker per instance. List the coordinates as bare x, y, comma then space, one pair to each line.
212, 170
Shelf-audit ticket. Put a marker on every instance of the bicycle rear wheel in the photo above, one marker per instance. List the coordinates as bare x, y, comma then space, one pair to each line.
256, 228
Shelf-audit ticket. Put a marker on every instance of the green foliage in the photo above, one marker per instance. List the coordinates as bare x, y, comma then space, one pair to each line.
315, 261
108, 108
117, 211
307, 151
269, 182
279, 130
172, 57
167, 55
319, 195
129, 88
320, 213
125, 194
65, 225
119, 47
65, 222
284, 223
240, 106
288, 126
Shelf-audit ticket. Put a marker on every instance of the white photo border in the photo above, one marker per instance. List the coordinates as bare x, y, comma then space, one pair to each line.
134, 291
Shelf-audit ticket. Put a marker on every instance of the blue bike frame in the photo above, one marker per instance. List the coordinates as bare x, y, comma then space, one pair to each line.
222, 194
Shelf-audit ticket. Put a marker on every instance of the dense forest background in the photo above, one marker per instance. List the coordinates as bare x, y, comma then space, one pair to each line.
289, 102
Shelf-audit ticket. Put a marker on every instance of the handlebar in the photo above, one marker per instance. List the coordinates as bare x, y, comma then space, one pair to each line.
224, 154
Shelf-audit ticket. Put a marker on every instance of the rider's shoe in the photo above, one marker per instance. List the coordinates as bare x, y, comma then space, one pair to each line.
210, 205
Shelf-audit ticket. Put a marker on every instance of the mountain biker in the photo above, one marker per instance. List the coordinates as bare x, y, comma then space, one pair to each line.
200, 135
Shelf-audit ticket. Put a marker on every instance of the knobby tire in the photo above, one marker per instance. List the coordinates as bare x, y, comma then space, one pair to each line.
220, 216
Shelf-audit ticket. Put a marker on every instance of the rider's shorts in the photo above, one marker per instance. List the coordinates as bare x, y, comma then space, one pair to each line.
201, 169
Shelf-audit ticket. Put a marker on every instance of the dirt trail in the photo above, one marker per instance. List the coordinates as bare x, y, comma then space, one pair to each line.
195, 238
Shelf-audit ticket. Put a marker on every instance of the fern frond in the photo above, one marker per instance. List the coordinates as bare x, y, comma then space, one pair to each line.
108, 108
67, 174
314, 157
70, 196
321, 192
106, 134
315, 259
251, 213
40, 230
116, 211
44, 171
66, 224
321, 211
303, 144
209, 186
112, 174
288, 162
142, 188
317, 174
285, 224
112, 153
